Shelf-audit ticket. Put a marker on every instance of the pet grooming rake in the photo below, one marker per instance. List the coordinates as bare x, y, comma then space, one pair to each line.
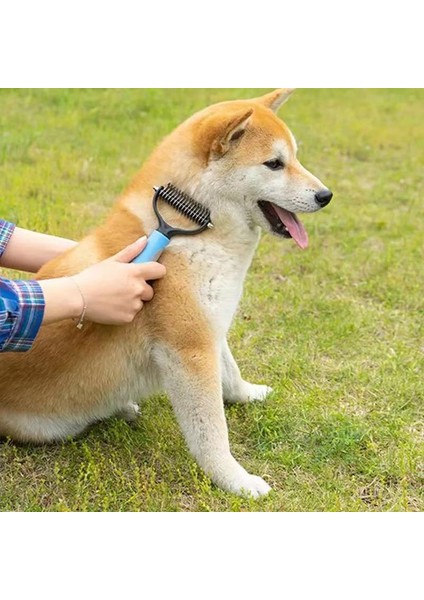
161, 237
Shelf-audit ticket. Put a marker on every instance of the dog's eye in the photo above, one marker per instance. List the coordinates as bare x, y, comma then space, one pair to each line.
275, 164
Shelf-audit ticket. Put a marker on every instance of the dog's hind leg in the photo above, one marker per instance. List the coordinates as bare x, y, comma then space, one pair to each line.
234, 388
40, 429
192, 381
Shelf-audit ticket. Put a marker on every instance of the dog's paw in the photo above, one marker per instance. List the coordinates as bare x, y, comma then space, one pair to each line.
252, 486
130, 413
256, 392
248, 392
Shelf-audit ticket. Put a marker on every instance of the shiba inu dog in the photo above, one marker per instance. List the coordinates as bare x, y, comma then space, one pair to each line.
238, 159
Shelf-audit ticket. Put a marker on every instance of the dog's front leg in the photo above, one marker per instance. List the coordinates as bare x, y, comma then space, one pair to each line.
234, 387
193, 383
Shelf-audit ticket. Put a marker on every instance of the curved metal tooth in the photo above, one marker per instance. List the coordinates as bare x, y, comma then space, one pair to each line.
185, 205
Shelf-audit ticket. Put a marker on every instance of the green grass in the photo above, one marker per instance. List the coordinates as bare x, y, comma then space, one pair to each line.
336, 330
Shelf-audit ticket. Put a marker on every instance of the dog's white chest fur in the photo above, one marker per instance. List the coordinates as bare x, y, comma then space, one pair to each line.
219, 271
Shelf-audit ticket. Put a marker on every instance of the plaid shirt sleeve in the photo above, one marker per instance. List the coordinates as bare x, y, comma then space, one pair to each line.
6, 230
21, 306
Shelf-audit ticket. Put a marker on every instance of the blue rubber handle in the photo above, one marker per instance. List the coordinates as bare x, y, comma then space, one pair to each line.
156, 243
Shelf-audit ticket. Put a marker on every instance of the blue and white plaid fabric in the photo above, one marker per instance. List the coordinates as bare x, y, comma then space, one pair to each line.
6, 230
21, 306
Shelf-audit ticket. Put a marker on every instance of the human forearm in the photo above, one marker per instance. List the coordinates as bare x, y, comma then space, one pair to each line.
29, 250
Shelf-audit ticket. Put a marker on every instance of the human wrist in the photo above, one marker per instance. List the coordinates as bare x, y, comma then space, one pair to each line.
82, 313
76, 298
62, 299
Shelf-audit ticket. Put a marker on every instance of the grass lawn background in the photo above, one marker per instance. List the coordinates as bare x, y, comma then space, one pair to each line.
336, 330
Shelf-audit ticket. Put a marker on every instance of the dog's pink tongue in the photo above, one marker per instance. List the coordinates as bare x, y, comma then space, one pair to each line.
294, 226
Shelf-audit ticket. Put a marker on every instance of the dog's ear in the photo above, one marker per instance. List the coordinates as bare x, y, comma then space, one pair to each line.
233, 130
275, 99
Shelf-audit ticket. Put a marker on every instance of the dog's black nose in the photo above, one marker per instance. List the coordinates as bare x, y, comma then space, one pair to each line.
323, 197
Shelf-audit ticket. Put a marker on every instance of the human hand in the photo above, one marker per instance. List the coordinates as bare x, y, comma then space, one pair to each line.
115, 289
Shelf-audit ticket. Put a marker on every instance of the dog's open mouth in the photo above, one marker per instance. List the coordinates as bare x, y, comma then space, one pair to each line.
284, 223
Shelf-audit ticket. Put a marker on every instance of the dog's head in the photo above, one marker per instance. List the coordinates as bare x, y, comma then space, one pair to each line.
248, 162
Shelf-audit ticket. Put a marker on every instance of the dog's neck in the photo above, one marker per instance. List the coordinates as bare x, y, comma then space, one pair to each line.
228, 228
